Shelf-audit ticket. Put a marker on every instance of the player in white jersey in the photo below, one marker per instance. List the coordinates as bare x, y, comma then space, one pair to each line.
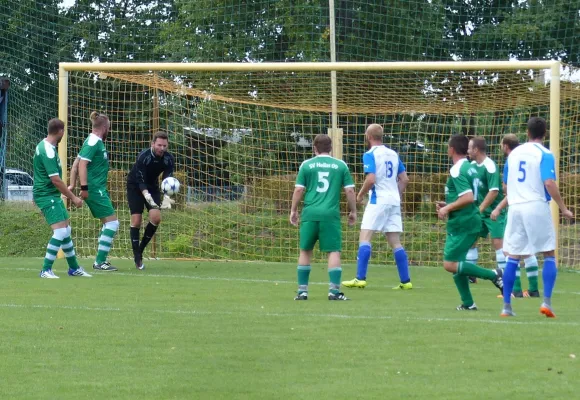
385, 181
530, 176
508, 144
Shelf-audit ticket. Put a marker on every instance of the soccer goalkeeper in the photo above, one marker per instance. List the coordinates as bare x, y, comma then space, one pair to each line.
143, 192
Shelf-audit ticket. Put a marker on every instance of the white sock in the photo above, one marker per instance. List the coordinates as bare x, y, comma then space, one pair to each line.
472, 256
500, 258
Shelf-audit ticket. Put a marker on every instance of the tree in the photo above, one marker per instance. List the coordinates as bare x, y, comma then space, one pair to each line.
28, 56
502, 29
115, 31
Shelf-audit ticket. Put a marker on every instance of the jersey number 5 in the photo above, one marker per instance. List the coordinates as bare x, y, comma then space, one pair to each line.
523, 171
323, 178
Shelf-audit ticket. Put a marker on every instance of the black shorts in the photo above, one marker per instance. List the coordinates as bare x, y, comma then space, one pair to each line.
137, 202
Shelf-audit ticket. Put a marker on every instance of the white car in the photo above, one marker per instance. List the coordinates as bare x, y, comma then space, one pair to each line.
18, 185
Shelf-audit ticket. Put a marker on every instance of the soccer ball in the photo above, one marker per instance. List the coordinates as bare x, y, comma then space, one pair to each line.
170, 186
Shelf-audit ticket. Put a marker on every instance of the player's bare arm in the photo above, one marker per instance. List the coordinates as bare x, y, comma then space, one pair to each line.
552, 188
495, 213
74, 173
370, 180
439, 205
491, 196
502, 204
462, 201
83, 177
296, 198
351, 200
61, 186
402, 182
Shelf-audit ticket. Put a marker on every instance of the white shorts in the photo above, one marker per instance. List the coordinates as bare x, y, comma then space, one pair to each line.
382, 218
529, 229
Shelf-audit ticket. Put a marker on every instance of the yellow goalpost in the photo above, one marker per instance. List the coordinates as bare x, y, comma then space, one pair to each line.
230, 120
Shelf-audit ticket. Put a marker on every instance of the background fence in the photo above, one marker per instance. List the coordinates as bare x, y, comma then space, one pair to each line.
231, 150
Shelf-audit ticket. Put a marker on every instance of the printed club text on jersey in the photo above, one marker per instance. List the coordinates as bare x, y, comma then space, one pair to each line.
323, 165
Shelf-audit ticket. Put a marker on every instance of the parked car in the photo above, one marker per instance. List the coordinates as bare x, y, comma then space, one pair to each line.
18, 185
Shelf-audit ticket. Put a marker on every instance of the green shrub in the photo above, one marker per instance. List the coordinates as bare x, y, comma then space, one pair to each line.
179, 246
423, 190
273, 192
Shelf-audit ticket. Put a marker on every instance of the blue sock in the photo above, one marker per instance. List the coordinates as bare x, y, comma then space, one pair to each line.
402, 264
362, 263
549, 273
509, 278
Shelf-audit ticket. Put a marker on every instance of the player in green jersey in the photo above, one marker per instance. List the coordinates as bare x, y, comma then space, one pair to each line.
463, 224
321, 179
93, 169
488, 194
508, 143
47, 189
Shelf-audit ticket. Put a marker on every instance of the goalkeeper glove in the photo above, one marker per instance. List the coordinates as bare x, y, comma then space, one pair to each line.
149, 199
167, 202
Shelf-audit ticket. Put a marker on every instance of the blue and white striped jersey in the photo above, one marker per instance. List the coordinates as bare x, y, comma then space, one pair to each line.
527, 168
386, 165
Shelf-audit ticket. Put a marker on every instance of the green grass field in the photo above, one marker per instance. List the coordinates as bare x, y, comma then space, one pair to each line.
197, 330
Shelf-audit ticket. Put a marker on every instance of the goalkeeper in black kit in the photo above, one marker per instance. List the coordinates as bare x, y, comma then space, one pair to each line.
143, 192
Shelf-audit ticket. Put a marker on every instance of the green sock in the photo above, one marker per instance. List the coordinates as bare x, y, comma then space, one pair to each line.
517, 282
334, 274
51, 252
105, 241
532, 273
469, 269
303, 276
69, 252
462, 283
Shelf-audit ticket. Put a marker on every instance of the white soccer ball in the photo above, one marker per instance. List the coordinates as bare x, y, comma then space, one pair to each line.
170, 186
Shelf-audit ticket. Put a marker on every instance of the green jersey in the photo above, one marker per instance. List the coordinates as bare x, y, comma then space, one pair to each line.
460, 182
46, 164
324, 178
487, 180
94, 152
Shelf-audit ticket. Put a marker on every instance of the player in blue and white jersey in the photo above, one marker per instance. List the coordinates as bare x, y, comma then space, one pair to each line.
530, 176
385, 181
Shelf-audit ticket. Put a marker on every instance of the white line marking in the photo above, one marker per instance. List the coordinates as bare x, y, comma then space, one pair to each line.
243, 280
203, 278
294, 315
60, 307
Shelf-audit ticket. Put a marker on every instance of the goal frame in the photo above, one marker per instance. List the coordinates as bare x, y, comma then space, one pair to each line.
332, 67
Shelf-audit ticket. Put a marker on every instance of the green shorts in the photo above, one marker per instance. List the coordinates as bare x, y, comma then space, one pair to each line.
100, 203
494, 228
327, 233
457, 246
55, 212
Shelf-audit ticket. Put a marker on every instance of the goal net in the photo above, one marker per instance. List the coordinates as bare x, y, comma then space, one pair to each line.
239, 137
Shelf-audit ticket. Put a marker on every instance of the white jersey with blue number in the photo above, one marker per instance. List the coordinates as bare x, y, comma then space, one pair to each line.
527, 168
386, 165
